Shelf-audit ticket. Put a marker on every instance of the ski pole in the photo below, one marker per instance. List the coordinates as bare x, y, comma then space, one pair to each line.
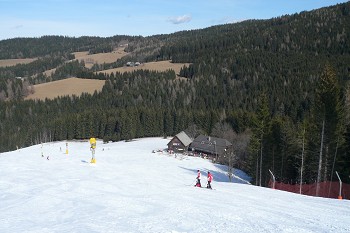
193, 182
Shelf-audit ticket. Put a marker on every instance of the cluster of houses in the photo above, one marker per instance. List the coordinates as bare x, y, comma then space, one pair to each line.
205, 146
132, 64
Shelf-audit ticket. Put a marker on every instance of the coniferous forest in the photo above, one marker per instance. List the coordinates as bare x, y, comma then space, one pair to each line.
277, 89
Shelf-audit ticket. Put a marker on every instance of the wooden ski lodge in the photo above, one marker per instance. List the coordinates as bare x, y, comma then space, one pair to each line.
204, 145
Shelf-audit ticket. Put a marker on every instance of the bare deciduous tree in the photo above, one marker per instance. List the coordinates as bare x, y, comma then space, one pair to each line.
193, 131
235, 155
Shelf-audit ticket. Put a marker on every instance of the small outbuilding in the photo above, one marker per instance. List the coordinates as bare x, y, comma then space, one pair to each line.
179, 143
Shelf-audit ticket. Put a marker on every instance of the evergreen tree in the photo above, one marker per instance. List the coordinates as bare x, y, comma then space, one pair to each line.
328, 114
261, 130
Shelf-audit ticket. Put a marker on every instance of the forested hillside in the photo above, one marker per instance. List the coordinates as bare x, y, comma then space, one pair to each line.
277, 89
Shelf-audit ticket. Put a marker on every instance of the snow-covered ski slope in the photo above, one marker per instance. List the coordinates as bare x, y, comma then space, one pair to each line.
131, 189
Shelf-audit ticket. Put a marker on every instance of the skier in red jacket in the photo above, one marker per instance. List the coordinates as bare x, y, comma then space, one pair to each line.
198, 184
210, 178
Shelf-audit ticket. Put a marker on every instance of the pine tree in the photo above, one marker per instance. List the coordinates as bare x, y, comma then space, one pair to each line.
261, 130
328, 114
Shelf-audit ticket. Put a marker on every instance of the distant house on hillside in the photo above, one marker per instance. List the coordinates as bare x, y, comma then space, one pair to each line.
20, 78
131, 64
180, 142
213, 147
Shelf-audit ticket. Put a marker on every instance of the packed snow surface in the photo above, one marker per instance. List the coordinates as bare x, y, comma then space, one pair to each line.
131, 189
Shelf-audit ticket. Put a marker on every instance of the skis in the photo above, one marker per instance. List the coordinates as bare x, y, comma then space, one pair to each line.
204, 188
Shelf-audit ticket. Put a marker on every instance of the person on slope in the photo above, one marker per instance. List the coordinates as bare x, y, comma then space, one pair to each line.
198, 184
210, 179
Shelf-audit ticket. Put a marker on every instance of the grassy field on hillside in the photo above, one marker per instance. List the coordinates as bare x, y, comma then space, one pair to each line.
13, 62
70, 86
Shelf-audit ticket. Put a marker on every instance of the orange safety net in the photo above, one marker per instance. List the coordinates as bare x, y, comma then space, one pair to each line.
326, 189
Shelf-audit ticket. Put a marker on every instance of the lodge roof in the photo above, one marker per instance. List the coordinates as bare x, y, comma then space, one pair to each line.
210, 144
184, 138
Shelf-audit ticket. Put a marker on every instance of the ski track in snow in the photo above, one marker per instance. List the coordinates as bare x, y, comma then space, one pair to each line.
131, 189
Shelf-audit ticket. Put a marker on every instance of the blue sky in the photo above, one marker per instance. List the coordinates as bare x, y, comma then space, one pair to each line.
35, 18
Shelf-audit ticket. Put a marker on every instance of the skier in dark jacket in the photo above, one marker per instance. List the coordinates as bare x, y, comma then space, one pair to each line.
198, 184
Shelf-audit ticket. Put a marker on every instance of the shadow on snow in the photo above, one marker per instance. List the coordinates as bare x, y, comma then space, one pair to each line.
221, 175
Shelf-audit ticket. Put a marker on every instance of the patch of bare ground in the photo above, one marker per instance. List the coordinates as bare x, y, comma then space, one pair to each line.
70, 86
49, 72
100, 58
92, 59
160, 66
13, 62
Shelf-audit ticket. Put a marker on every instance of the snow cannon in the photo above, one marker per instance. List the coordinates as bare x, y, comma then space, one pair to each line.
93, 143
92, 148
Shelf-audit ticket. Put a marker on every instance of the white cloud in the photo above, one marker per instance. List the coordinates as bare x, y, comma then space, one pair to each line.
180, 19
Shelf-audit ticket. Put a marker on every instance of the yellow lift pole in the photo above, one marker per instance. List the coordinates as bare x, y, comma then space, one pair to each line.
92, 148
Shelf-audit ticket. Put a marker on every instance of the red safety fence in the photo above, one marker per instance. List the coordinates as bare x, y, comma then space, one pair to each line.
327, 189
